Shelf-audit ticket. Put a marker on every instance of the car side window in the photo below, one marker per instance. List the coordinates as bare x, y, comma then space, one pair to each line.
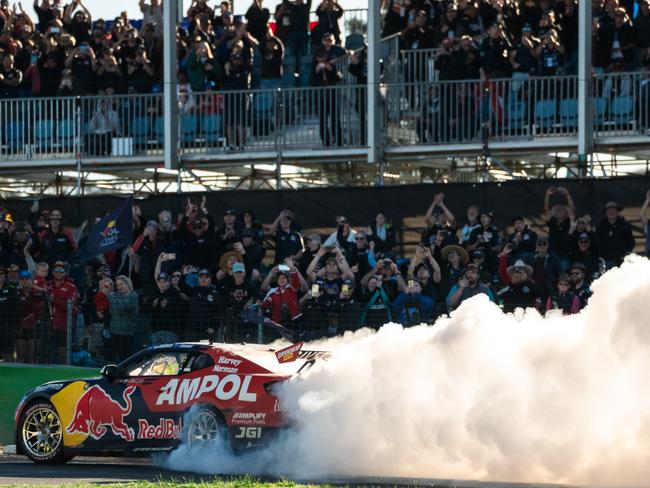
198, 361
167, 363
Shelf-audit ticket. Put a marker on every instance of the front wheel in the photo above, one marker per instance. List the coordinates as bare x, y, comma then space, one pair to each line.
41, 434
205, 428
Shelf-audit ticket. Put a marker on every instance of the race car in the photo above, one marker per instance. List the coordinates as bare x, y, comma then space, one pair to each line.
185, 392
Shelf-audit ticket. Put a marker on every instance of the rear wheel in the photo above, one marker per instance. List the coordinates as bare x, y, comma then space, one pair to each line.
205, 428
41, 434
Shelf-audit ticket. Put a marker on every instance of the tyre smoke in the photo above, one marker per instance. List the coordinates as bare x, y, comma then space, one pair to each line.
481, 395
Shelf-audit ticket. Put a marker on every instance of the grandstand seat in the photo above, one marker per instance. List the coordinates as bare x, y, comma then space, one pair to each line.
569, 112
13, 135
212, 129
516, 115
545, 114
355, 41
159, 129
189, 126
65, 133
600, 107
622, 110
140, 130
43, 134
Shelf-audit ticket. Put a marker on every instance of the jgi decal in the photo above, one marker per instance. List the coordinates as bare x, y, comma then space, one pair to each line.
177, 392
166, 429
249, 433
249, 418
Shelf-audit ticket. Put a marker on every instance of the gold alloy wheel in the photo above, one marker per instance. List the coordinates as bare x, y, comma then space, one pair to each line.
41, 432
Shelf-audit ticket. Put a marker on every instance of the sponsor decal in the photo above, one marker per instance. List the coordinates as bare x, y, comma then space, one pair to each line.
229, 361
313, 355
289, 354
178, 392
50, 386
96, 411
166, 429
249, 433
248, 418
225, 369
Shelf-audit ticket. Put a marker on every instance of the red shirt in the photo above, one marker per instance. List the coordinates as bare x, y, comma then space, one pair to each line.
287, 296
60, 295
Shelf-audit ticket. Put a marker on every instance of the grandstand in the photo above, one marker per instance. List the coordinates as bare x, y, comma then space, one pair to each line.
463, 91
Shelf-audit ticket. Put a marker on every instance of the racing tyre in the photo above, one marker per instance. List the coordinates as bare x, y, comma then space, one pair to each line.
205, 428
40, 434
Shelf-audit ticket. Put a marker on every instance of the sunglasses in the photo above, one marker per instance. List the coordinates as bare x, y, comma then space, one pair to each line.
583, 241
542, 243
176, 275
359, 238
58, 270
575, 273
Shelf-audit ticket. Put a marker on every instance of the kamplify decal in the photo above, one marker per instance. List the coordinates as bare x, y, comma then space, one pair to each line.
178, 392
248, 418
166, 429
96, 410
289, 354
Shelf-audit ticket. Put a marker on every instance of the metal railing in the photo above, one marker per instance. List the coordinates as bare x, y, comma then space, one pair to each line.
419, 65
452, 112
621, 104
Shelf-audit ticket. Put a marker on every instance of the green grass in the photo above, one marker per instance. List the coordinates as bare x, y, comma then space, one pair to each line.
238, 482
16, 379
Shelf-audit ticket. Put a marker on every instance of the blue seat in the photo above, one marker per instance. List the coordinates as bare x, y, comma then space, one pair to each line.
569, 112
600, 108
516, 115
622, 110
13, 135
159, 129
189, 125
212, 128
43, 134
65, 133
545, 113
140, 130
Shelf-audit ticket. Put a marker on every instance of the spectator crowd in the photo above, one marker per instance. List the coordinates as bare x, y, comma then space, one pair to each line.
190, 276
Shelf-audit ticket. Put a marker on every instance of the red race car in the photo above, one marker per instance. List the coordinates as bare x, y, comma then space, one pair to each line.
141, 405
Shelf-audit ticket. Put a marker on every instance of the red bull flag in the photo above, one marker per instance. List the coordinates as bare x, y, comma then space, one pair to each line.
112, 232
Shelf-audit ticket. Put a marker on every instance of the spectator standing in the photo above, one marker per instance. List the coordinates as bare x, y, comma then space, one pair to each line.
272, 51
9, 327
520, 290
166, 305
411, 307
250, 249
563, 298
31, 306
228, 234
292, 20
237, 81
258, 19
328, 12
344, 236
10, 78
282, 300
396, 17
615, 239
324, 77
104, 125
313, 244
486, 237
559, 223
523, 239
123, 307
546, 267
579, 284
382, 233
375, 302
494, 54
358, 68
467, 287
583, 252
204, 307
57, 244
64, 299
644, 220
288, 242
524, 58
152, 14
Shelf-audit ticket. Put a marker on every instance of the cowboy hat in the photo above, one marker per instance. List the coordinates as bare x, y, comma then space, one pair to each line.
226, 256
464, 257
519, 265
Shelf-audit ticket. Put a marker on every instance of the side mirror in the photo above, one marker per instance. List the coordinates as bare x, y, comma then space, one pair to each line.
111, 372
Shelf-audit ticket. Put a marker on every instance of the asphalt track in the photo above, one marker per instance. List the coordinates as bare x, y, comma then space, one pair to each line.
18, 470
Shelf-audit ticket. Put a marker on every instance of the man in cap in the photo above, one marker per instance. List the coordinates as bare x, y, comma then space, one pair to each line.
546, 267
197, 234
167, 313
520, 291
580, 286
30, 311
467, 287
13, 272
250, 249
228, 233
288, 241
204, 307
522, 238
313, 244
64, 297
238, 293
486, 237
56, 243
583, 252
21, 237
615, 239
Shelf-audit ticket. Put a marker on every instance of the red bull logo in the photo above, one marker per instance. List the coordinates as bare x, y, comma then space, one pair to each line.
96, 410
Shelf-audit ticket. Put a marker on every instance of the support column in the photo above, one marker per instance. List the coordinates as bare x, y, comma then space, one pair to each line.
170, 103
585, 86
374, 115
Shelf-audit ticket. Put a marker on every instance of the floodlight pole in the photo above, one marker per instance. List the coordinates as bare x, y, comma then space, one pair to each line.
373, 126
170, 102
585, 86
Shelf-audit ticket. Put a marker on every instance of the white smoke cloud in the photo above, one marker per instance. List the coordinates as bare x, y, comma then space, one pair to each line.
481, 395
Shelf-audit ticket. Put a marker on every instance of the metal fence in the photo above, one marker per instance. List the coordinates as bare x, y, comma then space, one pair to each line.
123, 126
419, 65
621, 104
446, 112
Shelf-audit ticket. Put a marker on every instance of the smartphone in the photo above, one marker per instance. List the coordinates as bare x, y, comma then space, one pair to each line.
314, 291
55, 30
34, 59
345, 288
411, 283
283, 267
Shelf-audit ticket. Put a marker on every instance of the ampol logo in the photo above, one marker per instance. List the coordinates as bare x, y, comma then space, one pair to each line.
111, 233
108, 228
96, 409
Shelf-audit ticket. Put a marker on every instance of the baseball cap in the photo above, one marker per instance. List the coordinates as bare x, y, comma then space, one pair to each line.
153, 223
230, 211
26, 275
13, 267
314, 238
247, 232
238, 268
205, 272
59, 263
163, 276
579, 266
